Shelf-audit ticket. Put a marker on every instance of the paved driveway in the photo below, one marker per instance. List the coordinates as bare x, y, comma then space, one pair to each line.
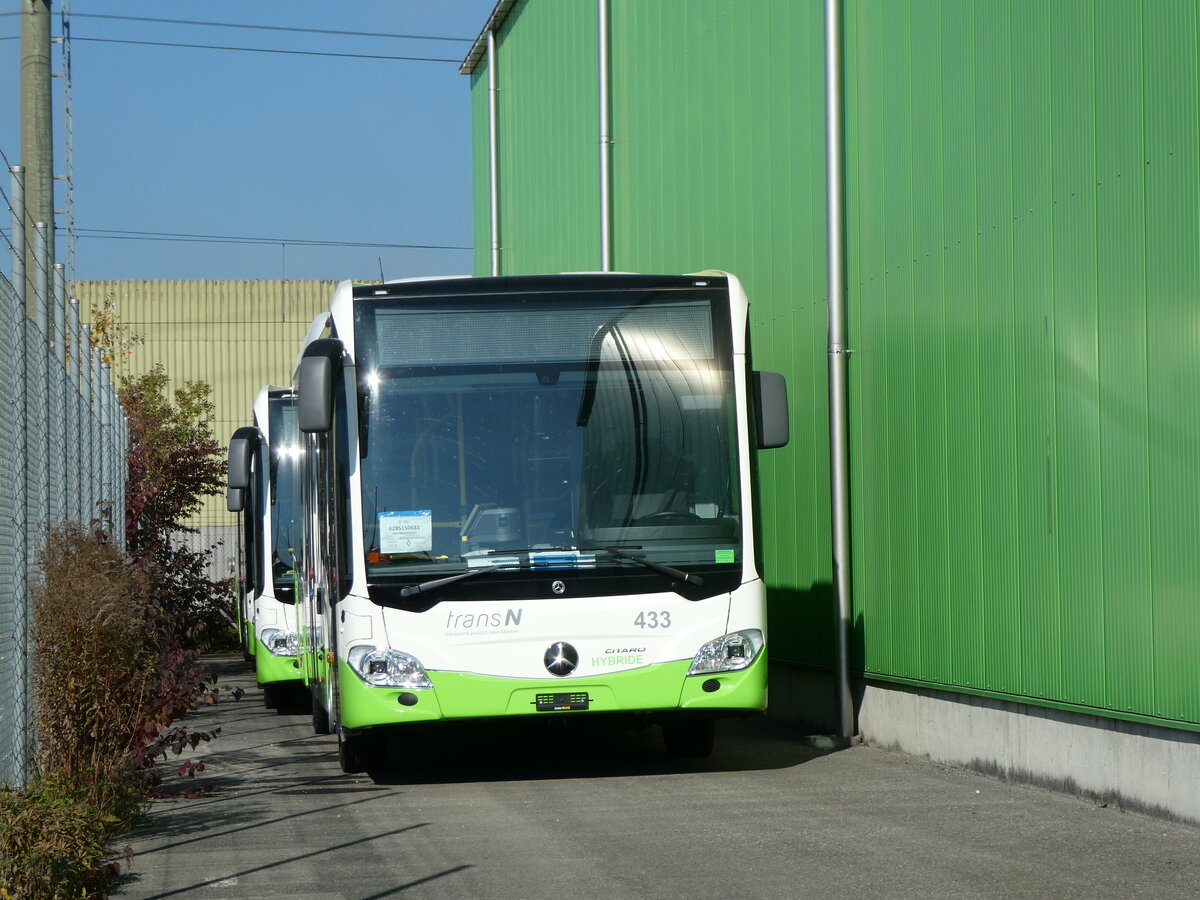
597, 813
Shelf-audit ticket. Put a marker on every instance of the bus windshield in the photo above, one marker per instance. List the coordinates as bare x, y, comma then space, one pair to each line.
547, 422
286, 525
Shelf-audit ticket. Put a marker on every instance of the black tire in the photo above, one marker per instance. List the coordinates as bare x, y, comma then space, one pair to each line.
272, 696
360, 752
320, 717
689, 738
347, 757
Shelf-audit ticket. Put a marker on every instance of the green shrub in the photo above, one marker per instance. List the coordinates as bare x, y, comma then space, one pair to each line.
96, 669
53, 844
116, 664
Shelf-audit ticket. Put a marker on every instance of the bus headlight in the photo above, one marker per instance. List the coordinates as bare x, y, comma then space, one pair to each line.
728, 653
278, 641
388, 668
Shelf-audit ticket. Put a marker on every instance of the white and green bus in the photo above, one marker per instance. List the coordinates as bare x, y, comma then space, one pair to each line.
533, 496
264, 465
242, 500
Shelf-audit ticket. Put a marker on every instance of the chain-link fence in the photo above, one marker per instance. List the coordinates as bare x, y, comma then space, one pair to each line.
62, 457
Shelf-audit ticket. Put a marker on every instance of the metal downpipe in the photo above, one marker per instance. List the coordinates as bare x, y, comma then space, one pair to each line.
838, 354
493, 153
605, 143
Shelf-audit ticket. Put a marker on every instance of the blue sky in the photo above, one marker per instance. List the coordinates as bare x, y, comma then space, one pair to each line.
246, 144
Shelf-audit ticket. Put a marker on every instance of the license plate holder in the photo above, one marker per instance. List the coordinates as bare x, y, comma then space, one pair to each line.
561, 702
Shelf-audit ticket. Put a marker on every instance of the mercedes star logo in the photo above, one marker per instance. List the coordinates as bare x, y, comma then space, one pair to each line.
561, 659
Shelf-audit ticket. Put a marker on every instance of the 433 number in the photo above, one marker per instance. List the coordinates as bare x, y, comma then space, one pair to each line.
653, 619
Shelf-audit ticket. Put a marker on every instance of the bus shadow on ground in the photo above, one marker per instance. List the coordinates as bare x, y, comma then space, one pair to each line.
566, 748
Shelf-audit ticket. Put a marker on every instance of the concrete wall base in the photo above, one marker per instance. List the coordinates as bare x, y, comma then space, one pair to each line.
1134, 766
1127, 764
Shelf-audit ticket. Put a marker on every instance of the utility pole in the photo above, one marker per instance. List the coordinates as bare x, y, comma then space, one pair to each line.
37, 153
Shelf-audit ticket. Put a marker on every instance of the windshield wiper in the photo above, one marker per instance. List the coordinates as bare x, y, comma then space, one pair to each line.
532, 550
685, 577
435, 583
677, 574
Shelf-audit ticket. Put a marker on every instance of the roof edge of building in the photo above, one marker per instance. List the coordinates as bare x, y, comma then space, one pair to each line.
479, 49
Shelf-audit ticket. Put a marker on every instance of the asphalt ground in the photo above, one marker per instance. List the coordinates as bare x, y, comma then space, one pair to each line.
589, 811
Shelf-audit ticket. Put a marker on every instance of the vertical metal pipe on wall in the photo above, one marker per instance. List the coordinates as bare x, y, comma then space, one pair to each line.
605, 143
493, 152
839, 354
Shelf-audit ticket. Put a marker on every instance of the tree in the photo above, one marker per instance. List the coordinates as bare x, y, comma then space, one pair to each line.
174, 463
113, 338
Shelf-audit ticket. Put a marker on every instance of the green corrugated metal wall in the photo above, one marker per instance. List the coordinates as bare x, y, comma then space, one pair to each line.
1024, 281
480, 187
691, 192
1023, 233
548, 149
710, 200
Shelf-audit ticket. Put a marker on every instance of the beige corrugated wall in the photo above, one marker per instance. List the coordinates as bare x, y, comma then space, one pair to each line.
234, 335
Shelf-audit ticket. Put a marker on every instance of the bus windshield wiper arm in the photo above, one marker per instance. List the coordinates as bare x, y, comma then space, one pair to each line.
435, 583
679, 574
532, 550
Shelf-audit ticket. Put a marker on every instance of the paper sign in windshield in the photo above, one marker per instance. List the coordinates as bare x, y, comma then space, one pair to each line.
406, 531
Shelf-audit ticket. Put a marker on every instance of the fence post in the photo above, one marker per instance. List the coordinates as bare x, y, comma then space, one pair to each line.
55, 377
19, 279
14, 595
74, 426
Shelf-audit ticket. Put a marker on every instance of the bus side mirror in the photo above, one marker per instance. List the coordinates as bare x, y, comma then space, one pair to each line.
314, 385
241, 449
235, 499
770, 409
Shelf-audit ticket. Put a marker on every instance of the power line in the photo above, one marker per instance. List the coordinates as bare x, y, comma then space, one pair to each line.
380, 34
413, 37
128, 235
265, 50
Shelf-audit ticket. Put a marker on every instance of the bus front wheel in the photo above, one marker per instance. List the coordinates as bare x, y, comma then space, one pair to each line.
360, 752
689, 738
271, 696
320, 716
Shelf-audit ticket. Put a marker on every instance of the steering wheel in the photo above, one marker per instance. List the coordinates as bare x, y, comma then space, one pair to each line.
670, 517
